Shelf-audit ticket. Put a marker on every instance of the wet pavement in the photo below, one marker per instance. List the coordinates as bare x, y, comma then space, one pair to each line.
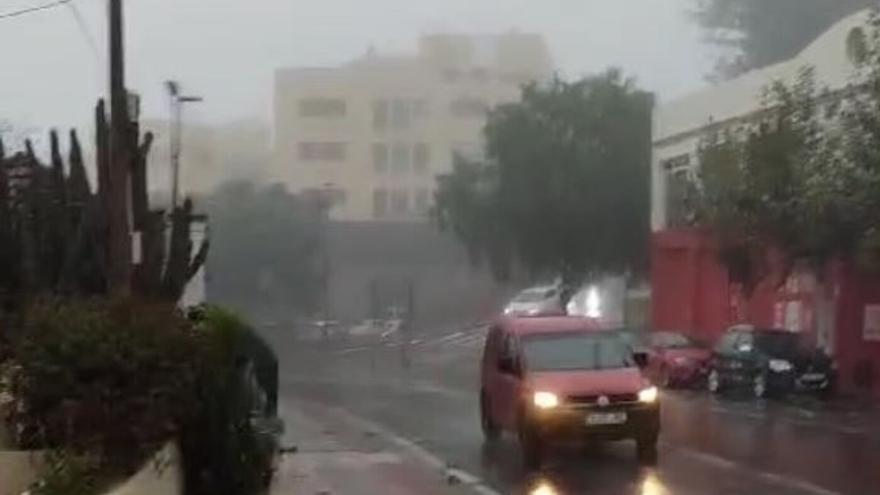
329, 452
708, 446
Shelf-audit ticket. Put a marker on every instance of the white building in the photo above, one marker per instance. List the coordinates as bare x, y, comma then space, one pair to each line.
680, 125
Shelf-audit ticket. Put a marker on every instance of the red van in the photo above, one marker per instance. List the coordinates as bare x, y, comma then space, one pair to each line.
562, 380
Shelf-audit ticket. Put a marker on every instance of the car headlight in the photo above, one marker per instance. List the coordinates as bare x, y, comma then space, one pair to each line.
780, 365
648, 395
543, 489
545, 400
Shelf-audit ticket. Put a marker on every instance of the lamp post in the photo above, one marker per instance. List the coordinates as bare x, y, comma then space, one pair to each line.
177, 102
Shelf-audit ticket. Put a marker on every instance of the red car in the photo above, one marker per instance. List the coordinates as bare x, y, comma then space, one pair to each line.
675, 360
564, 380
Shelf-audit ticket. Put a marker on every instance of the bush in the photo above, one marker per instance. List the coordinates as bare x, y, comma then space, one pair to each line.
111, 381
113, 378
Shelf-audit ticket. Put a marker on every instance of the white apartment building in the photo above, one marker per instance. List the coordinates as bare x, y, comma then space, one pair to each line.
378, 130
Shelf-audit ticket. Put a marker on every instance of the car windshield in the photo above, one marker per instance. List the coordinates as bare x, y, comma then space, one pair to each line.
781, 344
534, 295
568, 352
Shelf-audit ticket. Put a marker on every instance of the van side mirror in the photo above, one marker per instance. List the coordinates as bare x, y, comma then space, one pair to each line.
508, 366
641, 359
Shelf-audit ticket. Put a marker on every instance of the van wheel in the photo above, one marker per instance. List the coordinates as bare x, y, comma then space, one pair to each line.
532, 448
491, 431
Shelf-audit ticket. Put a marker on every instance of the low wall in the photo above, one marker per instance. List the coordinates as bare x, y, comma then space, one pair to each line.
160, 476
18, 470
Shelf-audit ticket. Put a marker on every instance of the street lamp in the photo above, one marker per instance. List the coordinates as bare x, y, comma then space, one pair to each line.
177, 101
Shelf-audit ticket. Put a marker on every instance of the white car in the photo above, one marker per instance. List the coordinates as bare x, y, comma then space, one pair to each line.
535, 301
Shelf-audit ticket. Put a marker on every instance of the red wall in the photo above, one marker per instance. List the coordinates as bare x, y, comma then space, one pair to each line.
691, 293
690, 289
853, 291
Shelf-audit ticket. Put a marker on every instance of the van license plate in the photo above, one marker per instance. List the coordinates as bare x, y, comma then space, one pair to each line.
598, 419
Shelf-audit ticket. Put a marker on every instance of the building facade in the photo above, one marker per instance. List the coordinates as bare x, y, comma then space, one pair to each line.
379, 129
838, 309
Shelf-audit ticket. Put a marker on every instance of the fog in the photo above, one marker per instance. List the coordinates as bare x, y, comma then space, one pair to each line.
227, 50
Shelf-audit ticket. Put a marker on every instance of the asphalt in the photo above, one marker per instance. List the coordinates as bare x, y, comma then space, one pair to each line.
424, 394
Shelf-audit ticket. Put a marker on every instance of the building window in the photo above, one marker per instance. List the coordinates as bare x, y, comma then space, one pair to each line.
380, 203
677, 162
400, 158
421, 158
680, 210
680, 207
380, 114
423, 201
399, 202
380, 158
468, 107
399, 114
322, 152
322, 107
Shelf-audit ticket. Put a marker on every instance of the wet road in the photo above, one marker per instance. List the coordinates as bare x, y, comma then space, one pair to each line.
708, 446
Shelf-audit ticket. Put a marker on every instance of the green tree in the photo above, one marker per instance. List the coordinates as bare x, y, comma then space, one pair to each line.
565, 186
757, 33
803, 179
266, 245
760, 186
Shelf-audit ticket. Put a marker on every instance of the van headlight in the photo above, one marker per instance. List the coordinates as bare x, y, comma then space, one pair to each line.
648, 395
780, 366
545, 400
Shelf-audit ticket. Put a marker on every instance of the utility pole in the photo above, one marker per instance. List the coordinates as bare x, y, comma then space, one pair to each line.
117, 197
176, 138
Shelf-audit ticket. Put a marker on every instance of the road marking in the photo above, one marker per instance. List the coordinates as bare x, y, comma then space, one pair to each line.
772, 478
353, 350
447, 338
475, 483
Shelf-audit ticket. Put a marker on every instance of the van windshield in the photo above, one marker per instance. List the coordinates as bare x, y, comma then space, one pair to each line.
569, 352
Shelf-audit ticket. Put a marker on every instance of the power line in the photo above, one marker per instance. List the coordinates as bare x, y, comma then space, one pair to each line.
31, 10
83, 27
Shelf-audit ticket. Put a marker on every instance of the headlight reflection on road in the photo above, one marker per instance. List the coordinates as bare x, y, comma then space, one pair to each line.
543, 488
652, 485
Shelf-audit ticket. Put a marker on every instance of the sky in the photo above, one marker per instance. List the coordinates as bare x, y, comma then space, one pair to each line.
53, 66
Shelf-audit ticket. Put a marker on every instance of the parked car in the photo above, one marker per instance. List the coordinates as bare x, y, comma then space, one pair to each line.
675, 360
767, 362
564, 379
536, 301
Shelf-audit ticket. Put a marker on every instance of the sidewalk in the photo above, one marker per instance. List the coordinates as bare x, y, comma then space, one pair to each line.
337, 455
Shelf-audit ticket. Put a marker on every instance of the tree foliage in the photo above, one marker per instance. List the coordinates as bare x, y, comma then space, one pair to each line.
803, 181
564, 188
267, 245
757, 33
